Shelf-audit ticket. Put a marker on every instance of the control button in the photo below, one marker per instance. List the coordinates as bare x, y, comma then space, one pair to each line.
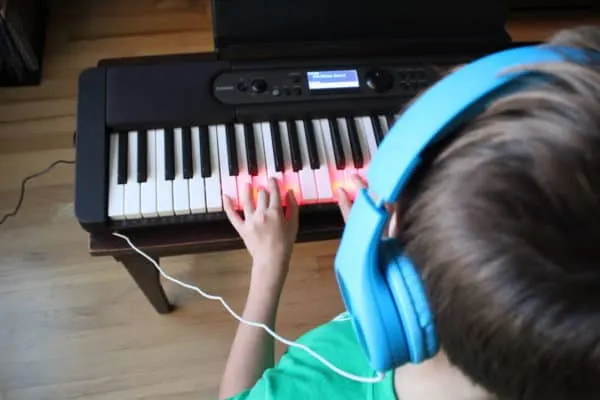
275, 92
242, 86
379, 80
296, 78
287, 91
258, 85
297, 91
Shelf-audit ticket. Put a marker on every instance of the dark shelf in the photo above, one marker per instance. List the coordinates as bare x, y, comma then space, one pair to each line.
22, 35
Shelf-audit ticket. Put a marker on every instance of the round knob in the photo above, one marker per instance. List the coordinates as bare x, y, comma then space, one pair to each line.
258, 85
379, 80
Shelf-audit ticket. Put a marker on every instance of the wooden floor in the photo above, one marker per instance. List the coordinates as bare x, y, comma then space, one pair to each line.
76, 327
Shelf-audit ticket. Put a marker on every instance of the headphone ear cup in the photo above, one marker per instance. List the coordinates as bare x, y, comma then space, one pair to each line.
411, 302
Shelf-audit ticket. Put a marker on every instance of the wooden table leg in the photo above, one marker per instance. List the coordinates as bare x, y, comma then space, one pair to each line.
148, 279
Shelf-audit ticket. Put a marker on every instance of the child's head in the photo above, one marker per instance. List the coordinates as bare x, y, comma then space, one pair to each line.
505, 228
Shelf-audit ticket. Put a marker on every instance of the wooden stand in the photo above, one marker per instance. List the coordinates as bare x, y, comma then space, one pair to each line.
190, 239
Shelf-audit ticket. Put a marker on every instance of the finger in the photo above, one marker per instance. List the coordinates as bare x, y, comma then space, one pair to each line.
344, 203
247, 200
359, 182
292, 211
262, 200
390, 207
393, 226
275, 198
234, 218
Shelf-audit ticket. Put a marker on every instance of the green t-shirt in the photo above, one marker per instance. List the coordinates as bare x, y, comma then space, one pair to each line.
300, 376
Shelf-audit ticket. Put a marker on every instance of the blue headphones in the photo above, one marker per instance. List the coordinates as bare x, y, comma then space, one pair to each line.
380, 286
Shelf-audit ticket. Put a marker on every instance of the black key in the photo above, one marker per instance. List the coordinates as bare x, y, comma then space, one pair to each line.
336, 139
277, 146
377, 129
232, 158
313, 153
186, 148
169, 154
294, 146
390, 120
205, 169
123, 152
142, 157
250, 149
357, 156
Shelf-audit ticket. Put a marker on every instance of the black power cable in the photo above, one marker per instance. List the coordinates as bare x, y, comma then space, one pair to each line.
27, 179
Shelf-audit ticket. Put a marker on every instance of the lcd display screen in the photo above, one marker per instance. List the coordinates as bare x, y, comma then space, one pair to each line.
331, 80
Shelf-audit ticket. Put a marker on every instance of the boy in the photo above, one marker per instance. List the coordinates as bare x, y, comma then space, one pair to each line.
503, 226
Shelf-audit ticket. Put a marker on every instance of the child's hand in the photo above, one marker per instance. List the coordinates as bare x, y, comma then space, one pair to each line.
345, 204
267, 232
344, 200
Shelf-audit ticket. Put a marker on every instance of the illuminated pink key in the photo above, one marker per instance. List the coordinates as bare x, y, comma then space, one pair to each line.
367, 143
338, 178
270, 160
322, 178
261, 179
290, 178
306, 175
350, 169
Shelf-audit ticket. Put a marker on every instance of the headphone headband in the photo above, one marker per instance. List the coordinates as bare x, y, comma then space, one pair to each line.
455, 99
389, 309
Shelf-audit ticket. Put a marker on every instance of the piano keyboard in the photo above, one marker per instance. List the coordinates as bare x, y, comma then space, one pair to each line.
186, 170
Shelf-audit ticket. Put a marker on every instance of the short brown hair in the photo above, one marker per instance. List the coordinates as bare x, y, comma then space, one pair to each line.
504, 227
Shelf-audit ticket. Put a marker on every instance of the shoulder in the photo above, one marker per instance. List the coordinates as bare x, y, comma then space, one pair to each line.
298, 374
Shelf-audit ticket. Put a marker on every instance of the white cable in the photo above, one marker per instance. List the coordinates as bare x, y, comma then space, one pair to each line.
380, 376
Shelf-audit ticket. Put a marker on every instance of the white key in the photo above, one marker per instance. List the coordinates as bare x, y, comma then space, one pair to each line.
228, 182
116, 192
350, 170
214, 201
148, 188
290, 178
196, 183
393, 120
132, 187
363, 138
338, 180
369, 134
322, 179
164, 188
270, 160
306, 175
383, 123
364, 147
181, 191
243, 178
260, 180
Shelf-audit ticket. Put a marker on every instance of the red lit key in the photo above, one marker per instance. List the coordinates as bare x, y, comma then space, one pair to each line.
290, 178
336, 176
270, 160
305, 174
349, 170
322, 179
260, 180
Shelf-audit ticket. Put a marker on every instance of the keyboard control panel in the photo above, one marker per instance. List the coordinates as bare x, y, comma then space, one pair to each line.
242, 87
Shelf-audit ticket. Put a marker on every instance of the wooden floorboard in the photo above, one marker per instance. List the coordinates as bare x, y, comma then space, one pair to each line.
76, 327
